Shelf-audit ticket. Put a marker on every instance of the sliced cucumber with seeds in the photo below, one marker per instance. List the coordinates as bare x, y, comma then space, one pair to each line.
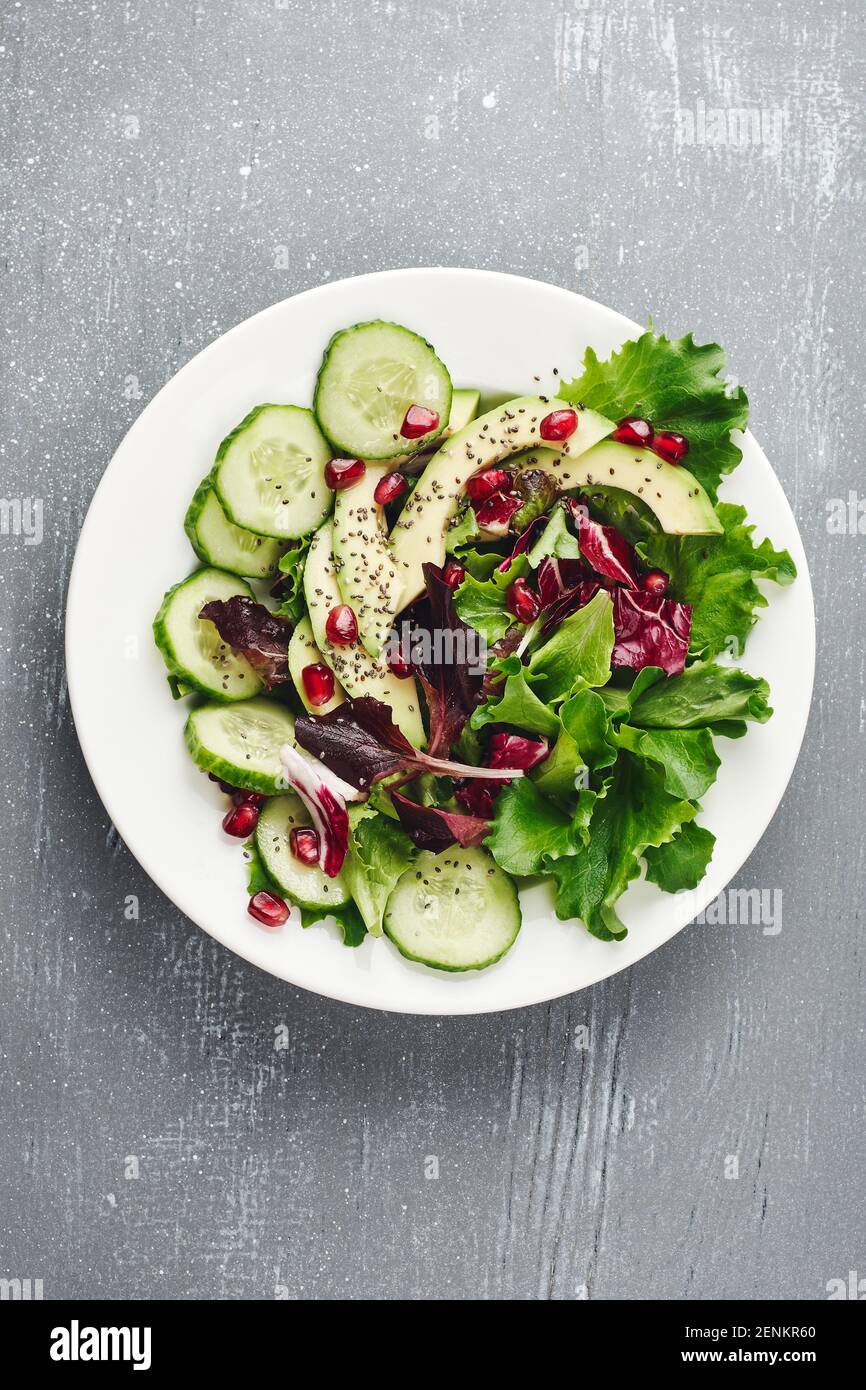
192, 648
241, 743
304, 652
369, 377
217, 541
456, 910
269, 473
305, 884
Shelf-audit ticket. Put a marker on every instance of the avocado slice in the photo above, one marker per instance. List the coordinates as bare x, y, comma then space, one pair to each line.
304, 652
357, 671
680, 504
419, 532
368, 578
464, 408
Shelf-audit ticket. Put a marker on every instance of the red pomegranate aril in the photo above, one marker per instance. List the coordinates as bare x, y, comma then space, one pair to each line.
670, 446
245, 798
304, 844
241, 820
270, 911
634, 431
341, 628
399, 666
453, 574
483, 485
419, 420
318, 683
342, 473
522, 602
389, 488
558, 425
655, 582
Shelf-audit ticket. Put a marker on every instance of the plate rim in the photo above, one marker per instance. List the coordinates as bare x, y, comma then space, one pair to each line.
434, 1009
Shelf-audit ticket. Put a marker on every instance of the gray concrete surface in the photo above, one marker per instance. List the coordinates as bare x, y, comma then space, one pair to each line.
170, 169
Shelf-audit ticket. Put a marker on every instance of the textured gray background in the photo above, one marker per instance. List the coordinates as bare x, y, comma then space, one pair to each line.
157, 157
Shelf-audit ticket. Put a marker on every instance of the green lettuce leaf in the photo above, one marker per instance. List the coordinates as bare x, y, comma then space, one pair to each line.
516, 704
705, 696
682, 862
379, 852
677, 385
482, 602
635, 813
716, 575
529, 832
555, 541
348, 918
292, 604
579, 651
687, 756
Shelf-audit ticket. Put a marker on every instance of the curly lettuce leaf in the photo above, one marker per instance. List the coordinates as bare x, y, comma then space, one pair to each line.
530, 832
705, 696
482, 602
516, 703
635, 814
687, 757
578, 651
379, 852
682, 862
716, 575
292, 604
676, 384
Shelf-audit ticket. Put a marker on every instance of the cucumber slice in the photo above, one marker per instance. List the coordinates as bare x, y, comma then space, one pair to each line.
304, 652
305, 884
369, 377
217, 541
241, 743
192, 648
455, 910
269, 473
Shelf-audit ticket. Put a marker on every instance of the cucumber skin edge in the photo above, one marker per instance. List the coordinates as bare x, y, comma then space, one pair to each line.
458, 969
228, 772
403, 450
166, 651
213, 476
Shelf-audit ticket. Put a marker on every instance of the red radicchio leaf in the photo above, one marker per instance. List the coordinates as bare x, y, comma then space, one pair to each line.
527, 538
431, 827
326, 807
568, 603
607, 551
360, 742
650, 631
494, 514
556, 576
478, 797
514, 750
255, 633
451, 688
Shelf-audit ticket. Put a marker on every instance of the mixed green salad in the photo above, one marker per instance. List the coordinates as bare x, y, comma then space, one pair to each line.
434, 649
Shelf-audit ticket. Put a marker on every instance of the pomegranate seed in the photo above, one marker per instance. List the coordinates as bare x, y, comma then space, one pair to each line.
522, 602
634, 431
270, 911
241, 820
250, 798
318, 683
341, 629
304, 844
483, 485
670, 446
341, 473
559, 424
399, 664
419, 420
655, 582
453, 574
389, 488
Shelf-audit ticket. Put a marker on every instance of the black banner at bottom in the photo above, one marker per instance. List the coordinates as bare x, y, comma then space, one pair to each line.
156, 1337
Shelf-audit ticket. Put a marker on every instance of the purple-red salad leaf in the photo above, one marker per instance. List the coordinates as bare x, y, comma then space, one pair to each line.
434, 828
650, 631
326, 807
360, 742
255, 633
604, 548
450, 671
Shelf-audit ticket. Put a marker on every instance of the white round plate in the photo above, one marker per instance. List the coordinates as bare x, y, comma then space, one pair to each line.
497, 332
